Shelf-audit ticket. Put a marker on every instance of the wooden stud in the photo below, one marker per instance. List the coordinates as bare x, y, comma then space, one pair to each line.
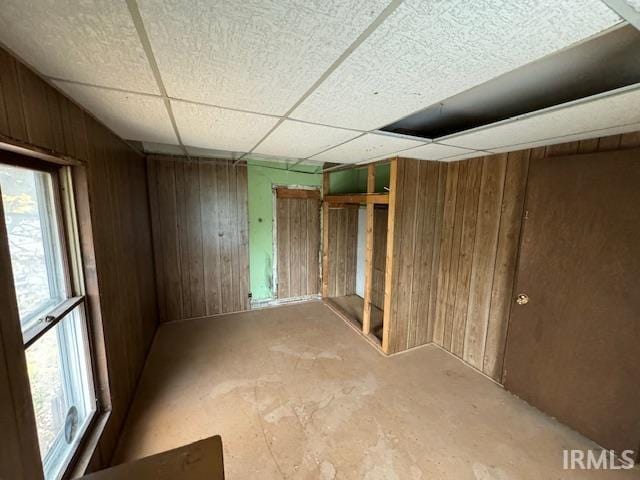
358, 198
368, 259
325, 236
388, 290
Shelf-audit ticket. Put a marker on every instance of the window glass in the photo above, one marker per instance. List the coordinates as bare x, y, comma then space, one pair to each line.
57, 351
61, 390
34, 242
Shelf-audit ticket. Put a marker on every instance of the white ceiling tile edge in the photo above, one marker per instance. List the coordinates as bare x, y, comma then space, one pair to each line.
630, 109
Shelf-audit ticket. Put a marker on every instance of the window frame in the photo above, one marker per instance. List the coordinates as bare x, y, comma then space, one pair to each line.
66, 229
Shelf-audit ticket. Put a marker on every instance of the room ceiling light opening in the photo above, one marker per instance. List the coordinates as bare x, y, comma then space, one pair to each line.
602, 64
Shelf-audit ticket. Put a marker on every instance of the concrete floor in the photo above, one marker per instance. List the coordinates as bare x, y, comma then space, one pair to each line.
296, 393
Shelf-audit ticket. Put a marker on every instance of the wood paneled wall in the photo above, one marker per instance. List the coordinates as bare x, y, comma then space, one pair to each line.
380, 216
456, 242
298, 242
417, 225
200, 232
113, 207
343, 232
479, 244
483, 204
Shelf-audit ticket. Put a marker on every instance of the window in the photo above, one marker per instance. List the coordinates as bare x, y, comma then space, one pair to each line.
52, 314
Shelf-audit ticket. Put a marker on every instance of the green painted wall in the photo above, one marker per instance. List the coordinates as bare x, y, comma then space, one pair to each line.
355, 180
261, 177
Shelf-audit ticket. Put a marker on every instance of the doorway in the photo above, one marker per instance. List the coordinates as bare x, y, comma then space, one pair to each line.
572, 345
296, 242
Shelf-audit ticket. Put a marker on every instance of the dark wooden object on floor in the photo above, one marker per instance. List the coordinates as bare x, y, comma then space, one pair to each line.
201, 460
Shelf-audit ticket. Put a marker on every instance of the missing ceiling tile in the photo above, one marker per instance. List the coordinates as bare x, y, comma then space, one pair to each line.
599, 65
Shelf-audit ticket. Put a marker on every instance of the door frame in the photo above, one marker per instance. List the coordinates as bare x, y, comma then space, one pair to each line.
274, 240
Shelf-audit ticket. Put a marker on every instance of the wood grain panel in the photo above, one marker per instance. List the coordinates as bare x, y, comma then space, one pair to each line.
484, 258
200, 233
489, 244
342, 242
115, 235
298, 242
414, 247
380, 216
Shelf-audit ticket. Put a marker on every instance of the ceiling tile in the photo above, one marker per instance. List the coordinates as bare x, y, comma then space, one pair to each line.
583, 117
426, 52
269, 158
129, 115
366, 147
89, 41
301, 140
436, 151
251, 54
221, 129
632, 127
211, 153
162, 148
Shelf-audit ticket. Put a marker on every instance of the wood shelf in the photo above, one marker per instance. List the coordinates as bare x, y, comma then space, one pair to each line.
358, 198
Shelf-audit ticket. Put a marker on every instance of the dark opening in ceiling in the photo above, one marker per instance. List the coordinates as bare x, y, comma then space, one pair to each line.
604, 63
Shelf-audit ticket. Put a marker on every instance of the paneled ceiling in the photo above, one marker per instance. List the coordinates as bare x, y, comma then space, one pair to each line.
302, 80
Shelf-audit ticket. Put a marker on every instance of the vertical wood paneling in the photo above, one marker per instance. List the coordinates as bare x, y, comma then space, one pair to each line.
243, 237
505, 265
446, 242
380, 216
454, 262
13, 123
313, 247
343, 225
298, 243
471, 195
200, 223
487, 256
414, 247
210, 238
484, 255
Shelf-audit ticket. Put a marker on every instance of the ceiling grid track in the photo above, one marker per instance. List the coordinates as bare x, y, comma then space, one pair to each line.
132, 5
356, 43
625, 10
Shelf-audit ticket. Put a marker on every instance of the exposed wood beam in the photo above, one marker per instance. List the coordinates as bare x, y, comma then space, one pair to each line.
365, 198
368, 259
388, 275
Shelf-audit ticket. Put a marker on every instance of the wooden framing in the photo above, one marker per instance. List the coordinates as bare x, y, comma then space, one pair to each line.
370, 199
368, 260
325, 236
359, 198
388, 285
299, 193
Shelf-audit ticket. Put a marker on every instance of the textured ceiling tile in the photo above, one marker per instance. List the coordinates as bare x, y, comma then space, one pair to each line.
301, 140
269, 158
251, 54
89, 41
162, 148
426, 52
435, 151
211, 153
366, 147
597, 113
218, 128
131, 116
632, 127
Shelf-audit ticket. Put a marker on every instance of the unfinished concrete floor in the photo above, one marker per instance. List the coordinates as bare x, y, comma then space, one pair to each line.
296, 393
